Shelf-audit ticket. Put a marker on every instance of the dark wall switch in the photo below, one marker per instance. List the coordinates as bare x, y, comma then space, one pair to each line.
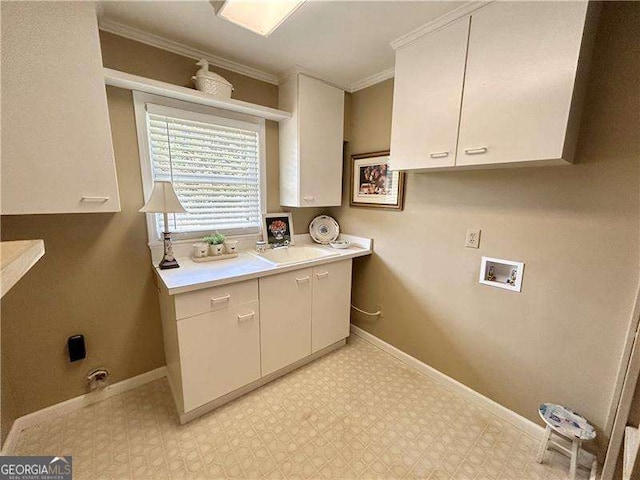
77, 350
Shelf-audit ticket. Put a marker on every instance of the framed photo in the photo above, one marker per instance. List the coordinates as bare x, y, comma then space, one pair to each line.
373, 184
277, 228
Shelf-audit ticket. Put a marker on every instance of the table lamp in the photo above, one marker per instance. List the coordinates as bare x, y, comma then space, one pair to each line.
164, 200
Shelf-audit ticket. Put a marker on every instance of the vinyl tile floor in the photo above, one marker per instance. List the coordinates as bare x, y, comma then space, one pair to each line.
355, 413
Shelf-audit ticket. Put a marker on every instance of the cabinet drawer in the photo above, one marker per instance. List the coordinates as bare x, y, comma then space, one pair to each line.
219, 352
215, 299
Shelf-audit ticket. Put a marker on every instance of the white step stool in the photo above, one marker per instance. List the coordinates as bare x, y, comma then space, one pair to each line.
568, 424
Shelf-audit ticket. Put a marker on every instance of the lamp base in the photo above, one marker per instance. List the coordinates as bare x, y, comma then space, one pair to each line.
165, 264
168, 260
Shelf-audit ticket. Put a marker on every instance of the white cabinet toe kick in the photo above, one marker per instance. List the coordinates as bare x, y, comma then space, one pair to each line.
222, 342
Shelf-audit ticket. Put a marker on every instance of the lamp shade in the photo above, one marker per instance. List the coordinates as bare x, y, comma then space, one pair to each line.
163, 200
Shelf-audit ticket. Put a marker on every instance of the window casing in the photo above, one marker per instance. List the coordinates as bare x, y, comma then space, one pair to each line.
215, 159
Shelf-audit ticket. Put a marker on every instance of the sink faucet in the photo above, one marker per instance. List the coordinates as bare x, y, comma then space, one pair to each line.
284, 244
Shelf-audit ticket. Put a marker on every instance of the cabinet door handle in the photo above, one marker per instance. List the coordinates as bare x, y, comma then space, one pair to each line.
476, 151
302, 280
309, 198
220, 299
322, 274
439, 154
247, 316
94, 199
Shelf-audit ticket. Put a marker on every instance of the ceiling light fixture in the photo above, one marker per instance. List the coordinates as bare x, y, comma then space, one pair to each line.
261, 17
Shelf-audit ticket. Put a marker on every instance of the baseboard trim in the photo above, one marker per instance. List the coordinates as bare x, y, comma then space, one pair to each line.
587, 459
503, 413
76, 403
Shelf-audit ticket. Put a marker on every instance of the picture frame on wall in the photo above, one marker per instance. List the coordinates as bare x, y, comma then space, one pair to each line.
277, 229
373, 185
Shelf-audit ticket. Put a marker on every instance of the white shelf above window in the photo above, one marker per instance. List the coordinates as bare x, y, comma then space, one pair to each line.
119, 79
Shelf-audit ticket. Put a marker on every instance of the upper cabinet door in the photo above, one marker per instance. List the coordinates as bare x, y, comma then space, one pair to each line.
519, 82
426, 99
57, 155
321, 110
311, 143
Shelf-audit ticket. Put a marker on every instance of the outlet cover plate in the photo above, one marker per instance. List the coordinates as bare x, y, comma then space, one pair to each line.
473, 239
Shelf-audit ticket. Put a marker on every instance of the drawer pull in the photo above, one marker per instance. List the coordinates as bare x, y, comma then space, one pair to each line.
322, 274
476, 151
247, 316
309, 198
302, 280
439, 154
94, 199
220, 299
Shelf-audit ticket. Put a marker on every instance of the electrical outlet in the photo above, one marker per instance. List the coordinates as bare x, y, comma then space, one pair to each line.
473, 239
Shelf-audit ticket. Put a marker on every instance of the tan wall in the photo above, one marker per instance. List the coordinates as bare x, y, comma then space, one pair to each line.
95, 279
96, 276
575, 227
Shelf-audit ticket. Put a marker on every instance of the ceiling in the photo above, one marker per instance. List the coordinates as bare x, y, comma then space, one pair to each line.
344, 42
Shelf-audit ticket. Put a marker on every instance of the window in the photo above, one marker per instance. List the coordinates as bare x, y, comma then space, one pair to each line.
215, 164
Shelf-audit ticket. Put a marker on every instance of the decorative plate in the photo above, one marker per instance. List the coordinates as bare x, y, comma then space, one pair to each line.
324, 229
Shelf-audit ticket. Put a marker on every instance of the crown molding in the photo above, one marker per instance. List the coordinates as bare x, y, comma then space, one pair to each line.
133, 33
354, 87
187, 51
440, 22
309, 73
372, 80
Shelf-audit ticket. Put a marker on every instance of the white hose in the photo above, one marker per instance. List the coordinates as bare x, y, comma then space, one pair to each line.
374, 314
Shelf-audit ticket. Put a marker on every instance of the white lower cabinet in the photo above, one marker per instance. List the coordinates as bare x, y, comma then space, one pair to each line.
331, 304
220, 352
285, 329
221, 342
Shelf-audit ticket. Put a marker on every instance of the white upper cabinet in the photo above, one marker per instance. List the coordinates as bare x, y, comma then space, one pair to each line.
425, 120
521, 71
311, 143
57, 155
512, 98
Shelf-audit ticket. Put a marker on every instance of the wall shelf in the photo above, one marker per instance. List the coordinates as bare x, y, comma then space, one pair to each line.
119, 79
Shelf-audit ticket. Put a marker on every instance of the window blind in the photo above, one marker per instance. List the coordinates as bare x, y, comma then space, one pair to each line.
215, 170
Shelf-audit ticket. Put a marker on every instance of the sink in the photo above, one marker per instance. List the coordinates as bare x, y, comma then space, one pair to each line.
289, 255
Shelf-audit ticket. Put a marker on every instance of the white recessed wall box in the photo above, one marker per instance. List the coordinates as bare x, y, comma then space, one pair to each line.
500, 273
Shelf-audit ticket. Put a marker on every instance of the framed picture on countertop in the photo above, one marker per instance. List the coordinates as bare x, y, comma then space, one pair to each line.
277, 229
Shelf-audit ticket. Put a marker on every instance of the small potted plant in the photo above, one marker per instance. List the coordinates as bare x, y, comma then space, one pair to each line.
216, 243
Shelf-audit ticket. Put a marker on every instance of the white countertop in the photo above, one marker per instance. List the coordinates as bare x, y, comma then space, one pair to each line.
16, 259
194, 276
